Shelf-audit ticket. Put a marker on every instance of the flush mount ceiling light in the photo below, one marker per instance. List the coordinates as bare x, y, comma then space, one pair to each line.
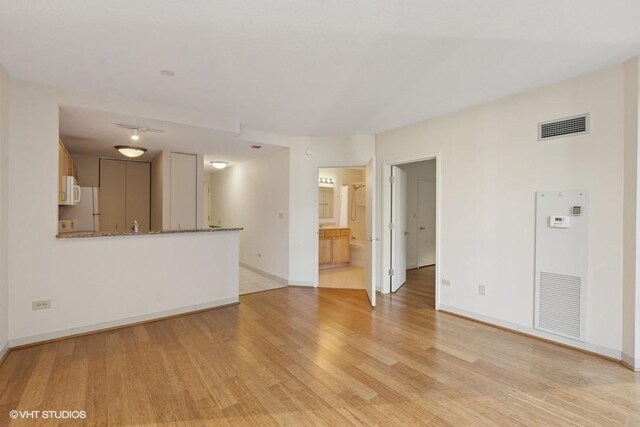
167, 73
256, 147
219, 165
129, 151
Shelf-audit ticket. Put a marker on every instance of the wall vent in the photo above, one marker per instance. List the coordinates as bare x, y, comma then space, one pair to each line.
560, 304
570, 126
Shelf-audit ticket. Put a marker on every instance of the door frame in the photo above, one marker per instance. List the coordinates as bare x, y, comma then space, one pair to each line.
385, 262
316, 219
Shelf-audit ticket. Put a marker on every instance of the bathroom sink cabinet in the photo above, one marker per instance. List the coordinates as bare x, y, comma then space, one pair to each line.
334, 247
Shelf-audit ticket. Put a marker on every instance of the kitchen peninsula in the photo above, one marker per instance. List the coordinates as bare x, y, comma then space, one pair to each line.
124, 279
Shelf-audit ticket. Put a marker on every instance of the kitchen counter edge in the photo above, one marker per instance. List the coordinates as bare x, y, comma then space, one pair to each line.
81, 234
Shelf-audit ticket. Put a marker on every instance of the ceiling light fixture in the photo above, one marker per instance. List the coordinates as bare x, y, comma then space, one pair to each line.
129, 151
167, 73
256, 147
134, 135
219, 165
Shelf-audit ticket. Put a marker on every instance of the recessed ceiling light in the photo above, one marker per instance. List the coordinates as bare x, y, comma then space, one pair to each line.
218, 164
129, 151
167, 73
256, 147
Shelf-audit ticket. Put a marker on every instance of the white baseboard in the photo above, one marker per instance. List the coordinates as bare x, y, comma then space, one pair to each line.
3, 351
96, 327
302, 284
277, 278
586, 346
273, 277
630, 362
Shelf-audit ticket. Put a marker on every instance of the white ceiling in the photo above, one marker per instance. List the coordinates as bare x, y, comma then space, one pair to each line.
95, 133
315, 67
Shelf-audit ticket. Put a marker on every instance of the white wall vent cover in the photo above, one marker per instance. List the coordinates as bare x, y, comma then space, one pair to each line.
562, 262
560, 304
570, 126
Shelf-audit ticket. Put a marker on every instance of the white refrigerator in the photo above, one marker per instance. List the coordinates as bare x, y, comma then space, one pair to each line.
86, 212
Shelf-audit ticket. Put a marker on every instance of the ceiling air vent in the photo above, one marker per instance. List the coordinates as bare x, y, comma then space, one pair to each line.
570, 126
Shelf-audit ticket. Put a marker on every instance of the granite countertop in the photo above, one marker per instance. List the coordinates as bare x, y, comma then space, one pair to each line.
79, 234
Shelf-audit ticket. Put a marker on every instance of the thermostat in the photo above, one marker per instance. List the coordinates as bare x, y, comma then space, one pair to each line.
559, 221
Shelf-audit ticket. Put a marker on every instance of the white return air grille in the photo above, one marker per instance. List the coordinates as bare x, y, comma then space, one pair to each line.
560, 299
571, 126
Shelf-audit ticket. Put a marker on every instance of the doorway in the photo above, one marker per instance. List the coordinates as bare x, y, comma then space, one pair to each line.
412, 225
341, 234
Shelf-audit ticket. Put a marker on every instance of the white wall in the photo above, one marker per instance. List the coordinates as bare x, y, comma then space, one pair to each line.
4, 288
421, 170
491, 165
107, 283
252, 195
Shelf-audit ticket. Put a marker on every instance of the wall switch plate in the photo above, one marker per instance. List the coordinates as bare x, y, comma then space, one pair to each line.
481, 290
281, 215
445, 282
41, 305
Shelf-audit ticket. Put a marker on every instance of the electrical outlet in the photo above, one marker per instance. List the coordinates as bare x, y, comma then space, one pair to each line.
445, 282
41, 305
481, 290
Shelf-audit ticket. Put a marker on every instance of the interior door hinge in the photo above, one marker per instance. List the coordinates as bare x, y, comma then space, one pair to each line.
392, 179
392, 226
392, 272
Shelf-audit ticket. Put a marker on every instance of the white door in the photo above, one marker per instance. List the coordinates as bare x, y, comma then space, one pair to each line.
398, 228
370, 223
426, 222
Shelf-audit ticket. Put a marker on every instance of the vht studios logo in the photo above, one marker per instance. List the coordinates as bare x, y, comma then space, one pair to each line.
50, 415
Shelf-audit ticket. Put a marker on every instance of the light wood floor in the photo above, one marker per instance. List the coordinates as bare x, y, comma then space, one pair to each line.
319, 357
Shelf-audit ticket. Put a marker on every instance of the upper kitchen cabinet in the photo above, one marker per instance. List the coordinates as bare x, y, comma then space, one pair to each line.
184, 193
66, 167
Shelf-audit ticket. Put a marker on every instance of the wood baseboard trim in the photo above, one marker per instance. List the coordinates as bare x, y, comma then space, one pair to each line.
126, 325
528, 335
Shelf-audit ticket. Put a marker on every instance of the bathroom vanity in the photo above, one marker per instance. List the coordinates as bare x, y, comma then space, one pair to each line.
334, 247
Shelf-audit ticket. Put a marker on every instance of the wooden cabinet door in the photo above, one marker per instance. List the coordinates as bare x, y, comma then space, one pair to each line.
183, 191
326, 249
138, 195
112, 195
62, 167
341, 250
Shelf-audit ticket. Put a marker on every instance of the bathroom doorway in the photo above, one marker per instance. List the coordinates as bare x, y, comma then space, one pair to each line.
341, 235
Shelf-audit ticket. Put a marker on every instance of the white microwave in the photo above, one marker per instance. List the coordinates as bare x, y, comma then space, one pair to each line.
72, 193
